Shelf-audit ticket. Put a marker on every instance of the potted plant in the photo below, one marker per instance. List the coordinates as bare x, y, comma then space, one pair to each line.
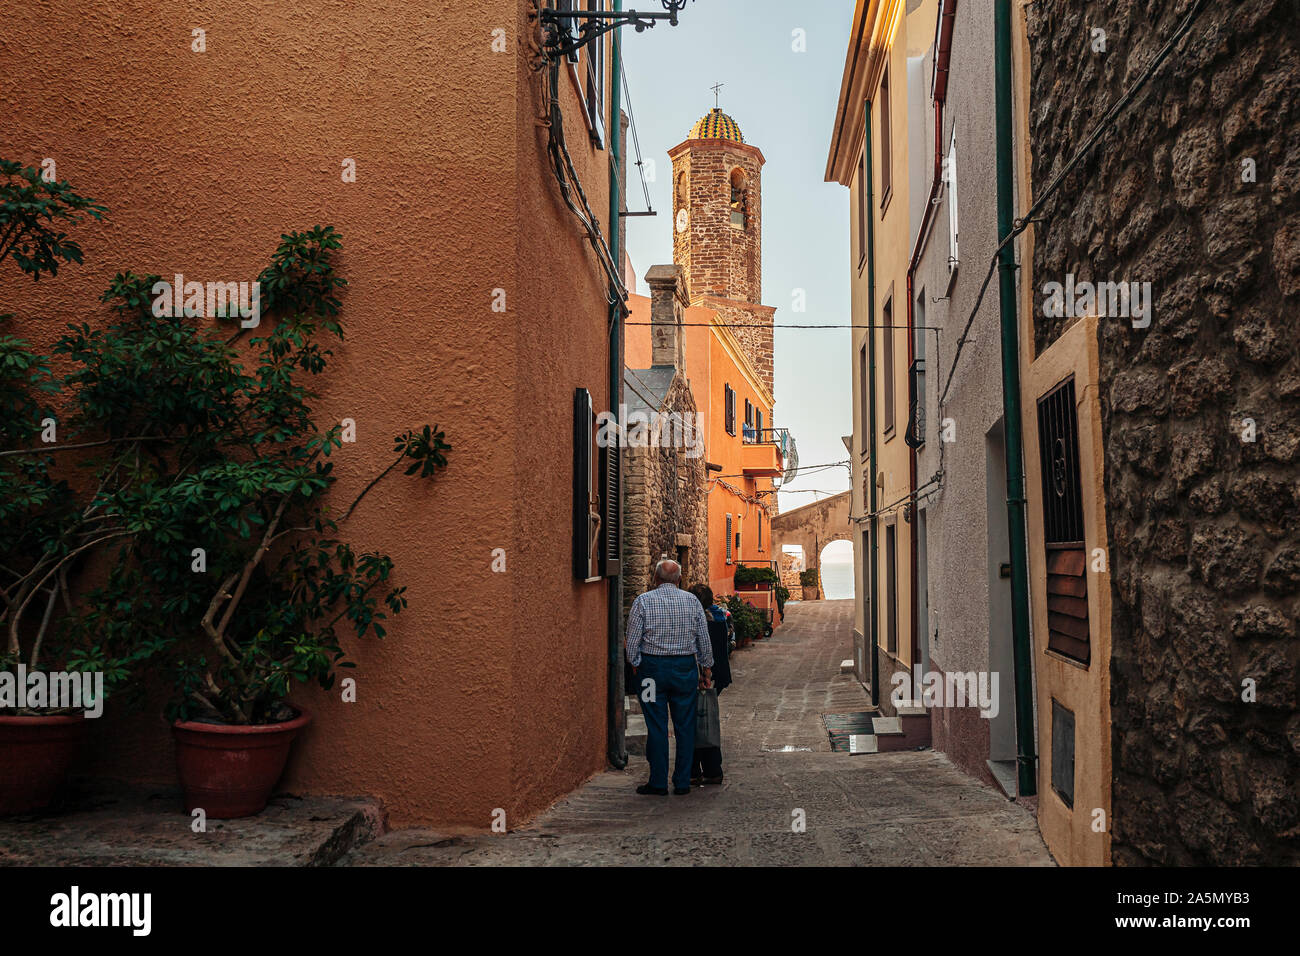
808, 581
749, 624
754, 578
782, 595
222, 477
49, 683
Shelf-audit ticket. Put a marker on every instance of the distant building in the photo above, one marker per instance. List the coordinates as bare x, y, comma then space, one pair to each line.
728, 340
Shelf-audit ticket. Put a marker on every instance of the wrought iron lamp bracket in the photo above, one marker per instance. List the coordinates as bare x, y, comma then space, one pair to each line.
559, 41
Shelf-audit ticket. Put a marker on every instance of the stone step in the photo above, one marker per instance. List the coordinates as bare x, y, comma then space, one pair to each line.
886, 725
632, 704
846, 666
863, 744
910, 708
634, 735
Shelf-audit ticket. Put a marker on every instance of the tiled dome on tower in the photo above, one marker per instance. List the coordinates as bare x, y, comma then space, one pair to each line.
716, 124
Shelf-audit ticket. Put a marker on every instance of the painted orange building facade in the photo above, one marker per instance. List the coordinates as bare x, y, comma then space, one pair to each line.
490, 691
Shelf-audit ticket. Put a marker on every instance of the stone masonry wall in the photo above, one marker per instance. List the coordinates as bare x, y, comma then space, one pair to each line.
719, 258
722, 261
664, 496
1204, 526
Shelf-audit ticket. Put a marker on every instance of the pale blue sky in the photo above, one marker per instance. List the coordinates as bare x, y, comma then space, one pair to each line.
784, 103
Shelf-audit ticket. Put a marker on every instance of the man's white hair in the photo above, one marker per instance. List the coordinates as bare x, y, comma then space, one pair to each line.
668, 571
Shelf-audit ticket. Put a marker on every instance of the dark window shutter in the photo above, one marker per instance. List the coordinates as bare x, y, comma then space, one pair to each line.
749, 412
1068, 628
582, 462
611, 511
728, 539
758, 423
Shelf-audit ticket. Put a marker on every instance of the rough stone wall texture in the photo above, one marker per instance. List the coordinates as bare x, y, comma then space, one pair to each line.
721, 260
1205, 527
664, 496
751, 324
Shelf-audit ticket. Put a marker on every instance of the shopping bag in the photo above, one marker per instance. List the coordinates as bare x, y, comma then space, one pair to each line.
708, 720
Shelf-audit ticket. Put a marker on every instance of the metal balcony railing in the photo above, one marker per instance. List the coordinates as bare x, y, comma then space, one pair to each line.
767, 436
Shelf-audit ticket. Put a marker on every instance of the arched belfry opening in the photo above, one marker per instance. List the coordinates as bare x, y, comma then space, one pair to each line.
738, 201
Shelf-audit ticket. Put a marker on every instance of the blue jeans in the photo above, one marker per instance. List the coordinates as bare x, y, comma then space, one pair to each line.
676, 686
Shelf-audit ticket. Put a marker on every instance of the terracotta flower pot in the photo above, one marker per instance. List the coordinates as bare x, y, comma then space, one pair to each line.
229, 771
810, 592
36, 754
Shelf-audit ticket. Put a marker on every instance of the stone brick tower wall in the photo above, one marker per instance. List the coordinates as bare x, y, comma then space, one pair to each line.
1204, 526
722, 261
665, 502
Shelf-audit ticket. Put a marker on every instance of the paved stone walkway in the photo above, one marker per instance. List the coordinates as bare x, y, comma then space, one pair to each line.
867, 810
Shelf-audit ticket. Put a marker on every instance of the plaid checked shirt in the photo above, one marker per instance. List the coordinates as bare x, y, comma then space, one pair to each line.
668, 621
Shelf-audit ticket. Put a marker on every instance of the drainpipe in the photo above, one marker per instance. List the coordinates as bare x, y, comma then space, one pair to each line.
1025, 744
616, 723
873, 591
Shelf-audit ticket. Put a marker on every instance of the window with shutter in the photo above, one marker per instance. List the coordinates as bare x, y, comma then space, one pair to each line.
728, 539
1067, 565
595, 85
953, 256
611, 511
729, 409
887, 362
587, 517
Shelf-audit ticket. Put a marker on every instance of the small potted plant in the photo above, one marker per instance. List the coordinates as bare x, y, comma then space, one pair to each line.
754, 578
808, 582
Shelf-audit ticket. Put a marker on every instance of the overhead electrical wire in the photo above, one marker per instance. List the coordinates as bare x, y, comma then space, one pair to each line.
1107, 120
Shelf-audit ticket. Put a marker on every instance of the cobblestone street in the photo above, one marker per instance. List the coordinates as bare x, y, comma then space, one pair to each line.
911, 808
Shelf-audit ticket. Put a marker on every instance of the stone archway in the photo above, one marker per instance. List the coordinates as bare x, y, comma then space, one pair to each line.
812, 527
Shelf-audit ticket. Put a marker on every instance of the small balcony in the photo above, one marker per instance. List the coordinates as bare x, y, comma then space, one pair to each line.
764, 453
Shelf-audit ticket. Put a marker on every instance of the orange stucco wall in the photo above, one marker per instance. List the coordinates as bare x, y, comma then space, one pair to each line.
726, 450
711, 364
490, 689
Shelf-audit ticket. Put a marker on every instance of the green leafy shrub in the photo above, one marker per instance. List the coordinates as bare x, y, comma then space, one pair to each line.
207, 497
755, 575
808, 578
748, 621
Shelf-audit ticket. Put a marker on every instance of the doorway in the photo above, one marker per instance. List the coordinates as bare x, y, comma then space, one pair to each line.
1002, 727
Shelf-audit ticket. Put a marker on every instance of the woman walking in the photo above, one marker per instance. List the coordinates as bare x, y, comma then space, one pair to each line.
706, 767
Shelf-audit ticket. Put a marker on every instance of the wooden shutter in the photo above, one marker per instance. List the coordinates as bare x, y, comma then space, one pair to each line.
582, 488
1067, 560
728, 539
887, 356
611, 511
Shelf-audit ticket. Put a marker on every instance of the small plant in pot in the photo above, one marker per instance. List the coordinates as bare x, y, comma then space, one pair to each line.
49, 681
233, 545
754, 578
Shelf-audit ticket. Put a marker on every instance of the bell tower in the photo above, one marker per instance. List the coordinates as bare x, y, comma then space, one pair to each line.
718, 230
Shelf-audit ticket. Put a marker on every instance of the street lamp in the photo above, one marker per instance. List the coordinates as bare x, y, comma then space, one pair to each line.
558, 24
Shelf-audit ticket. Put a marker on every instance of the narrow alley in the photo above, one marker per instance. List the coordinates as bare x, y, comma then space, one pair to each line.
910, 808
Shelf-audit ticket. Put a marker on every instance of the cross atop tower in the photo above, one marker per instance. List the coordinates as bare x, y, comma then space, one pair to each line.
715, 87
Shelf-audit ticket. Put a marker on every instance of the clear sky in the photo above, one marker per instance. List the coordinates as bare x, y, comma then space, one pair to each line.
784, 102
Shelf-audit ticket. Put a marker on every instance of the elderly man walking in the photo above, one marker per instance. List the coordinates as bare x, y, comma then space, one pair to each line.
667, 646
